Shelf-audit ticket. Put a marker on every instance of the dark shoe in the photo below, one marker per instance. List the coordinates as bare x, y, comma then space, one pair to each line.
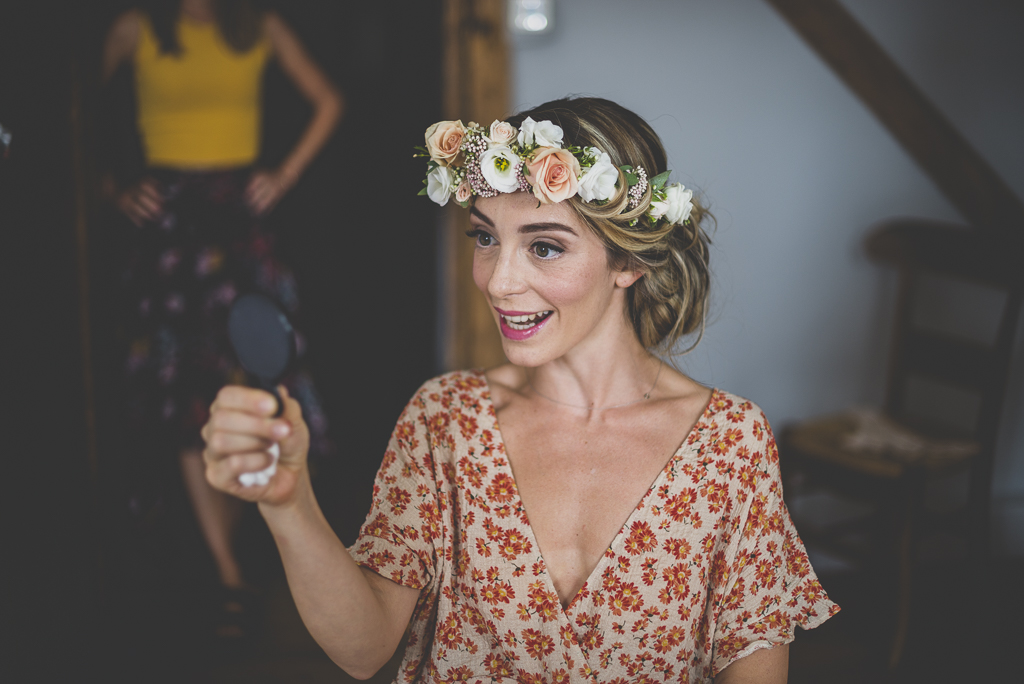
237, 614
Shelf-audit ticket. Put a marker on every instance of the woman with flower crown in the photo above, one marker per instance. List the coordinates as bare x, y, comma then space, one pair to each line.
584, 513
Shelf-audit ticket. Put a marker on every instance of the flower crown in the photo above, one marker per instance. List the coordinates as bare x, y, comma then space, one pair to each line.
469, 160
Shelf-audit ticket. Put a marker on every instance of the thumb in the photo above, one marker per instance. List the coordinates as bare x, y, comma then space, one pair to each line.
292, 409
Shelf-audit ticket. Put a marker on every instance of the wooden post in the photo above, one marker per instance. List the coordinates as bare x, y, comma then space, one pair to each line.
476, 85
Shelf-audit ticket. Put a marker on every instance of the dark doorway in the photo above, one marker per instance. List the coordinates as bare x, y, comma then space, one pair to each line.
109, 568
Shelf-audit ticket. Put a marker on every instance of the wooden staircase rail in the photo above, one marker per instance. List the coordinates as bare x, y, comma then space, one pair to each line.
960, 172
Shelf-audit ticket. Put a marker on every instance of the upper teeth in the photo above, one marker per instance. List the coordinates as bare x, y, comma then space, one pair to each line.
526, 318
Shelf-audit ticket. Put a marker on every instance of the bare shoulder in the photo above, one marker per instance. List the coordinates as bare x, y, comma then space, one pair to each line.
121, 41
506, 382
687, 395
276, 29
124, 32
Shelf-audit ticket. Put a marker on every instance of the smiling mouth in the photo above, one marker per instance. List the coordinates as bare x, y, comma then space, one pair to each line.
525, 321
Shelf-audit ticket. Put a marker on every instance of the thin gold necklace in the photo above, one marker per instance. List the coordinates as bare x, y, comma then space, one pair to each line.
647, 394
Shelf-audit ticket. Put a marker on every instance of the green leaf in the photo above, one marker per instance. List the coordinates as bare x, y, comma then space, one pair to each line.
423, 191
632, 179
659, 181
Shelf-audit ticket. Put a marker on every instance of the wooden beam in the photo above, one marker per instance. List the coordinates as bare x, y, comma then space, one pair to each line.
963, 176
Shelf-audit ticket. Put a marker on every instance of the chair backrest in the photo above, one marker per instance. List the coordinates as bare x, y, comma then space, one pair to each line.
926, 252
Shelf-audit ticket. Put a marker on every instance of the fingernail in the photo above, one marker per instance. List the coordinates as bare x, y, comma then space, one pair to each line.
267, 404
281, 430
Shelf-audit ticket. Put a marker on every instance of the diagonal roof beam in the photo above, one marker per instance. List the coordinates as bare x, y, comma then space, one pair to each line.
963, 175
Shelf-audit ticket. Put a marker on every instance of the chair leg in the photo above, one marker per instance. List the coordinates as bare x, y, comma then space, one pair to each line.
913, 495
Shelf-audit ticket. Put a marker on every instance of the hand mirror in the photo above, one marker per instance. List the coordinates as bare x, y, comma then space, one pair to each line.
264, 341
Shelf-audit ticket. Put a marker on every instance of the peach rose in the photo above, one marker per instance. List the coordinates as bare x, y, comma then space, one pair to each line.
554, 174
444, 140
502, 133
463, 193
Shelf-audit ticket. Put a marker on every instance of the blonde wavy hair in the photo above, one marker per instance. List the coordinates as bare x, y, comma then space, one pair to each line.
670, 300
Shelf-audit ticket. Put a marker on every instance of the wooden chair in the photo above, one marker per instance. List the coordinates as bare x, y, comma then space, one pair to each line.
823, 451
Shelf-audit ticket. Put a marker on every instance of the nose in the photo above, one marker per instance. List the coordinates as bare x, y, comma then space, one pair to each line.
507, 277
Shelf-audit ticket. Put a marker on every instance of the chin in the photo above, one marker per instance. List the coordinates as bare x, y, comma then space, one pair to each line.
517, 356
528, 354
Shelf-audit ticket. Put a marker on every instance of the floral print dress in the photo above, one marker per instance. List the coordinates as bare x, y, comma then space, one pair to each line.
707, 569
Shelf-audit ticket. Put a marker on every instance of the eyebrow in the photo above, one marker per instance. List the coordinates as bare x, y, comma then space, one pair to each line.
528, 228
480, 215
539, 227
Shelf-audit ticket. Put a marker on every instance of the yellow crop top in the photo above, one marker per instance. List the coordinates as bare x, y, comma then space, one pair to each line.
200, 108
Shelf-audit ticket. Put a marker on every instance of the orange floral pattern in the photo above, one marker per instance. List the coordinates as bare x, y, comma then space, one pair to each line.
707, 569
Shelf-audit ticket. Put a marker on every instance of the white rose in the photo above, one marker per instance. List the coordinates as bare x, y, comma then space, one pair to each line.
498, 165
439, 185
502, 133
676, 207
598, 182
543, 133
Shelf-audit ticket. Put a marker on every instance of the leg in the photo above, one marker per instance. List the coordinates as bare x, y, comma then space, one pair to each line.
217, 514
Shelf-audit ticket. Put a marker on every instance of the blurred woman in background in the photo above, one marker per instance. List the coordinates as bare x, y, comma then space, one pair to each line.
198, 69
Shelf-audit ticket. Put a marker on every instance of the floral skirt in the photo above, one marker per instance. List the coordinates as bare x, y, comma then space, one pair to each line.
183, 273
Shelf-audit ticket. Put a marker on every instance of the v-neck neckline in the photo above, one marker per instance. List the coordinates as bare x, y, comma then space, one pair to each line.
688, 444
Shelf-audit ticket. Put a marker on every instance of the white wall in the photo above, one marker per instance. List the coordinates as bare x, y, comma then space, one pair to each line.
796, 169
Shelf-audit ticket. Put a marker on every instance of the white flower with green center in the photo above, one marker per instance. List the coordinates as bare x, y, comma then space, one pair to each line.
498, 166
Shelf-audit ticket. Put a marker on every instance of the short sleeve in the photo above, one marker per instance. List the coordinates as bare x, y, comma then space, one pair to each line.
402, 537
771, 586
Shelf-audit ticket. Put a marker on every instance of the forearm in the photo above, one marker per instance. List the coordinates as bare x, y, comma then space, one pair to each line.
350, 618
326, 115
763, 666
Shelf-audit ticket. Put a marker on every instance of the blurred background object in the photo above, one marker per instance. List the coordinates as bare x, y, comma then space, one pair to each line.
5, 141
531, 17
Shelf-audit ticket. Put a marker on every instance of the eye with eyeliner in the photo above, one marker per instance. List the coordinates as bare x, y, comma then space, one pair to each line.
481, 237
546, 250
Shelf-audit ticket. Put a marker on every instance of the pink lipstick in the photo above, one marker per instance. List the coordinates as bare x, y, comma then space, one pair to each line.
521, 325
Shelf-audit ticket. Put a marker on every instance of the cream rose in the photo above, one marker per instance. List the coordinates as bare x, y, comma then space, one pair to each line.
439, 185
498, 165
598, 182
444, 140
676, 206
502, 133
554, 174
543, 133
463, 192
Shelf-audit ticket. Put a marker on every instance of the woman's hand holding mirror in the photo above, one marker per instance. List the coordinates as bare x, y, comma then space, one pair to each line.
264, 342
239, 434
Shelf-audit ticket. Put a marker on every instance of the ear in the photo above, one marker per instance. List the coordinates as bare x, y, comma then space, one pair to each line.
626, 278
